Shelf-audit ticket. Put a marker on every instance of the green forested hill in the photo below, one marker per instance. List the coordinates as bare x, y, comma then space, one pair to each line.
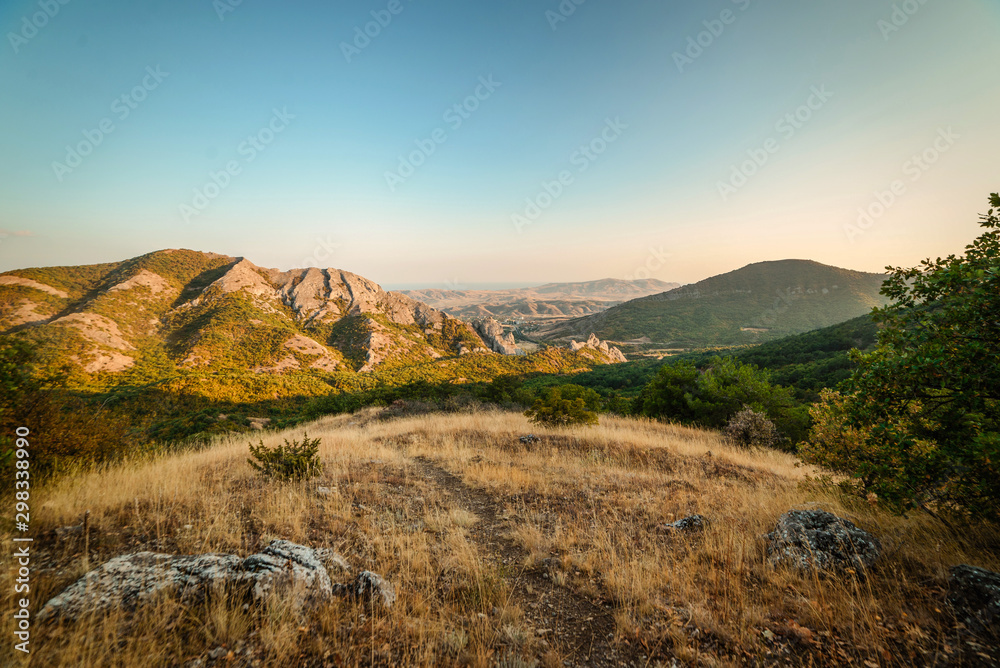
760, 302
805, 362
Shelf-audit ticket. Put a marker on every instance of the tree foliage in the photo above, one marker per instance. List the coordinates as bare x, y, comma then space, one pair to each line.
566, 405
920, 420
710, 397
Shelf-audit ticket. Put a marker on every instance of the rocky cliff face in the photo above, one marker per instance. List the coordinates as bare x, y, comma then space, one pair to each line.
593, 343
492, 333
325, 294
210, 311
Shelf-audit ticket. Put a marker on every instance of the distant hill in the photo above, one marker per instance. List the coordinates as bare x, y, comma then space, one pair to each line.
181, 313
760, 302
805, 362
543, 302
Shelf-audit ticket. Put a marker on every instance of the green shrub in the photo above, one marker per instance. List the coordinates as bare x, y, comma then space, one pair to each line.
566, 405
710, 397
750, 429
291, 461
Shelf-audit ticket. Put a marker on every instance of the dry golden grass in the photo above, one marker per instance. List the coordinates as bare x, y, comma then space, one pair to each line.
411, 499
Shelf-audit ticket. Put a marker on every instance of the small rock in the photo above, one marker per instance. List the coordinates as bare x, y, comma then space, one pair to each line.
369, 587
218, 653
808, 539
974, 595
690, 523
323, 491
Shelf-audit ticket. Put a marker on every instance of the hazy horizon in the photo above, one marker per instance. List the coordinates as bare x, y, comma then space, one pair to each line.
298, 133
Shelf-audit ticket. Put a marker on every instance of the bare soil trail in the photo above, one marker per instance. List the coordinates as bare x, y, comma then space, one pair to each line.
579, 628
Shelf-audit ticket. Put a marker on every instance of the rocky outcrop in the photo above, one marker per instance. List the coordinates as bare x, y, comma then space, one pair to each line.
974, 595
97, 328
303, 345
816, 539
493, 335
293, 573
28, 283
593, 343
146, 279
330, 294
244, 276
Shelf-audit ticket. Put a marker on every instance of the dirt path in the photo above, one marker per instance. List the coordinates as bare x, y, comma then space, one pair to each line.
579, 628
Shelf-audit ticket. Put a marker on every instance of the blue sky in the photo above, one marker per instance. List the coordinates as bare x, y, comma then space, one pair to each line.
663, 187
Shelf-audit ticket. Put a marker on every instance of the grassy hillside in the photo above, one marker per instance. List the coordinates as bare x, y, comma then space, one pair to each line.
760, 302
501, 553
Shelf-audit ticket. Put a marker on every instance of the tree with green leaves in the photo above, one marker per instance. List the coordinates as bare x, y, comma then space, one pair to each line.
919, 421
566, 405
709, 397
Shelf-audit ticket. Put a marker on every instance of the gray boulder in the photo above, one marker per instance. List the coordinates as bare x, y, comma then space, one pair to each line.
974, 595
290, 571
816, 539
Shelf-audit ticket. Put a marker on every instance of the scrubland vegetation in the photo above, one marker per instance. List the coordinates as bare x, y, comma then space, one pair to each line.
481, 533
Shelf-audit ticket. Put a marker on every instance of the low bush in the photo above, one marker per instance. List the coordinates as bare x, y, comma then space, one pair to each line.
750, 429
294, 460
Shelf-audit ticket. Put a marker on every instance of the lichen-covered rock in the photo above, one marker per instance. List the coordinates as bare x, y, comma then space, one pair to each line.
369, 587
974, 595
127, 581
290, 571
816, 539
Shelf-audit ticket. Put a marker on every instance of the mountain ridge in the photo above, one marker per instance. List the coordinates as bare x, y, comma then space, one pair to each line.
541, 302
758, 302
178, 310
